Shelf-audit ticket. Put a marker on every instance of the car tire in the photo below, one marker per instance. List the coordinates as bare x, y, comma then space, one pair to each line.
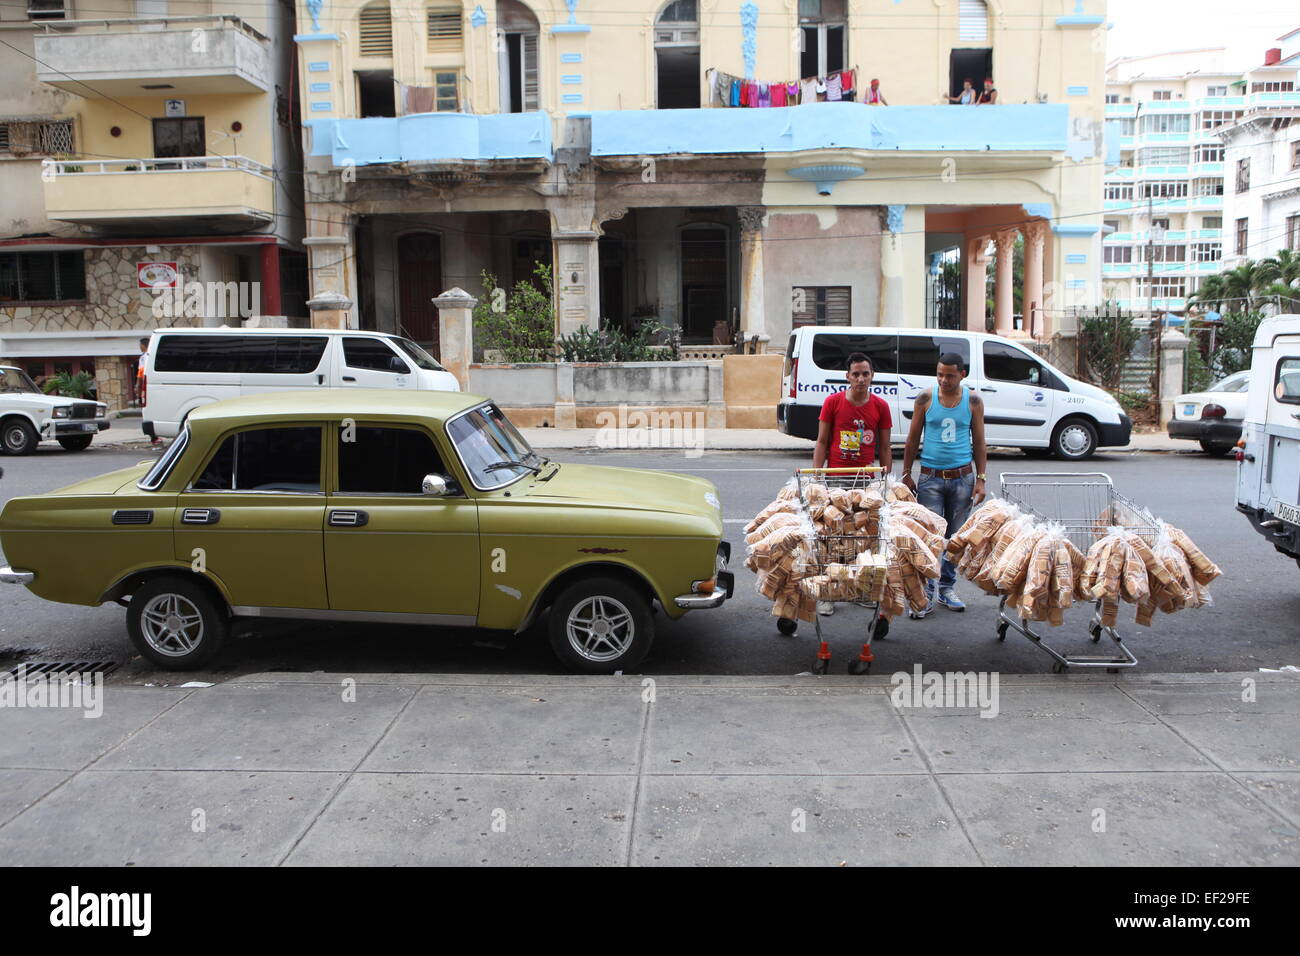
76, 442
1074, 439
600, 625
175, 623
18, 437
1216, 449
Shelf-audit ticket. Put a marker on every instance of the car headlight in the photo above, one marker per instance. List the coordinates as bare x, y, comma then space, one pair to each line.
64, 411
101, 410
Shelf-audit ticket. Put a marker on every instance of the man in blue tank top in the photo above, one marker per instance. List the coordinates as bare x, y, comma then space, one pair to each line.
953, 459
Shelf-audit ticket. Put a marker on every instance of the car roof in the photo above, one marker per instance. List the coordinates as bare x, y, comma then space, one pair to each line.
232, 330
895, 330
332, 403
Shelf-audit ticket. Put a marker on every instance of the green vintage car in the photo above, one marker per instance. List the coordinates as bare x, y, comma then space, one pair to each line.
370, 505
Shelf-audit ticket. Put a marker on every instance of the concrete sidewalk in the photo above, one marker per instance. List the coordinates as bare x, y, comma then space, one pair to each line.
281, 768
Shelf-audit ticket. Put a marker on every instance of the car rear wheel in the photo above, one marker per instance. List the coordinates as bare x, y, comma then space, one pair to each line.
76, 442
1074, 439
18, 437
600, 625
1215, 448
175, 623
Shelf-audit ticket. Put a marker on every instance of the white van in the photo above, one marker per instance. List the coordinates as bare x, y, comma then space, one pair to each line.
1027, 403
186, 368
1268, 455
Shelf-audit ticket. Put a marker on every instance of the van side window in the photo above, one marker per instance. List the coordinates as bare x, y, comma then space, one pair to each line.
373, 354
831, 350
919, 354
1002, 363
261, 354
1287, 388
266, 459
386, 461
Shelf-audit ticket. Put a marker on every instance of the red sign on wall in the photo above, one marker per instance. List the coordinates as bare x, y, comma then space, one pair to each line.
157, 275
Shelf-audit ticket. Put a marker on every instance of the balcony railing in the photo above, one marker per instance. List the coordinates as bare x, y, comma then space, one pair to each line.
81, 167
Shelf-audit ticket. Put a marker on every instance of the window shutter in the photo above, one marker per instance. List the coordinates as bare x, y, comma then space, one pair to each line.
532, 98
376, 26
4, 137
973, 22
837, 305
444, 30
808, 314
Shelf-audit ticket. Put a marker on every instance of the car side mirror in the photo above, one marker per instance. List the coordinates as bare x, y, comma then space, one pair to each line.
435, 486
397, 365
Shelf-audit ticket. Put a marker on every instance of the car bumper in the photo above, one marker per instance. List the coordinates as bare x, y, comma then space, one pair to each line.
16, 576
799, 421
723, 588
1115, 435
64, 427
1220, 431
1283, 535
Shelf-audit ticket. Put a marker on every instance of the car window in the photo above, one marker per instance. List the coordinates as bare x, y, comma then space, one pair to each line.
831, 350
1287, 388
16, 380
1005, 363
386, 461
419, 356
1237, 382
919, 354
373, 354
266, 459
254, 354
156, 475
486, 443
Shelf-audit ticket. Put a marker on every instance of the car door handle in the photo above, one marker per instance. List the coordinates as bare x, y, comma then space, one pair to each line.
320, 379
340, 518
200, 516
349, 378
985, 388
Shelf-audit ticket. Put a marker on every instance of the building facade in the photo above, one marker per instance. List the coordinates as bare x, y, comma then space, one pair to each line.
1165, 198
150, 175
613, 143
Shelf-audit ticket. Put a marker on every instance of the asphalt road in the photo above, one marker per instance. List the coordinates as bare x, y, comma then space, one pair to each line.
1255, 621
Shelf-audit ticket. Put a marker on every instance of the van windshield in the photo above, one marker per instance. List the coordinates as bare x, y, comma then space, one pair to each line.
418, 355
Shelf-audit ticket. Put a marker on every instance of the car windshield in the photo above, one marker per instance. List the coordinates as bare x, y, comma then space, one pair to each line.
1236, 382
490, 448
16, 380
418, 355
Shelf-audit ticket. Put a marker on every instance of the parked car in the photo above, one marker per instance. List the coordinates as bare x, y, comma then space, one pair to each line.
370, 505
1268, 470
1212, 417
1028, 404
28, 415
188, 368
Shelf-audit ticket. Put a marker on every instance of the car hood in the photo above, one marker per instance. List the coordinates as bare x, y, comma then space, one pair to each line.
123, 479
632, 489
35, 400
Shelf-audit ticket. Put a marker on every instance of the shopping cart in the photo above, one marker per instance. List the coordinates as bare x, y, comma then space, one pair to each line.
827, 549
1086, 505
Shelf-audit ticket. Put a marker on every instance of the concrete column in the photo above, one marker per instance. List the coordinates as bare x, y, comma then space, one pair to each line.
716, 410
331, 264
331, 310
456, 332
1003, 296
1035, 237
1173, 355
974, 264
566, 408
891, 268
753, 314
577, 281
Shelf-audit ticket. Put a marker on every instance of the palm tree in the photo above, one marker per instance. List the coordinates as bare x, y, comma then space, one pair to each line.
1210, 295
1241, 284
1283, 269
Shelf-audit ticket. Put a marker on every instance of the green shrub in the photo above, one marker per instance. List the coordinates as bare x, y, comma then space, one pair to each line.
520, 324
69, 385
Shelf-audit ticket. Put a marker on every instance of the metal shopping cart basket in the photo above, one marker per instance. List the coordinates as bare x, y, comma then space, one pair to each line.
1086, 505
827, 549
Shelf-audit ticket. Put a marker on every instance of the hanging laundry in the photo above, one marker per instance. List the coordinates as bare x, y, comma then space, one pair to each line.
808, 91
834, 91
846, 82
734, 96
764, 95
778, 94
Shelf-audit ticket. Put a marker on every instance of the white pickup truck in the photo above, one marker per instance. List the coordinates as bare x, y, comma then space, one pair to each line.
1268, 455
28, 415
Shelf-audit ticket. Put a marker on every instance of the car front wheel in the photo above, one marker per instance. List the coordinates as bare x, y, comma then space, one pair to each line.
76, 442
1074, 440
600, 625
18, 437
175, 623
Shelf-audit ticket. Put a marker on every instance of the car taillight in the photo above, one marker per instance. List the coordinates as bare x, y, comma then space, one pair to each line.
794, 377
1213, 411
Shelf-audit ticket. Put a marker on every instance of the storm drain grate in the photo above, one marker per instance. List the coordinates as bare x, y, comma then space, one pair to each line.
50, 668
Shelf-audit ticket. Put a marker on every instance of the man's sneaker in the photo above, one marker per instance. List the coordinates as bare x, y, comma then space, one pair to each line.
923, 612
825, 608
949, 599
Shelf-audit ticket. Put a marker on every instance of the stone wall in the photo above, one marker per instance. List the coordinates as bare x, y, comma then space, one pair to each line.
115, 381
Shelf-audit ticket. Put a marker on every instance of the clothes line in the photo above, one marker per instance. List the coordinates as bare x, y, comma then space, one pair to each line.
726, 89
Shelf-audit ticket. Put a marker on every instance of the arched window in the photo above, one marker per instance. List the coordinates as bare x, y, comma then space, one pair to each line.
822, 24
518, 30
677, 56
375, 30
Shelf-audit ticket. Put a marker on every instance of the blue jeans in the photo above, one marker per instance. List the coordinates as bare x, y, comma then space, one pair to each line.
949, 497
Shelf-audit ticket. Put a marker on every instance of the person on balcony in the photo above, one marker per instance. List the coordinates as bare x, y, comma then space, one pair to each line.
873, 95
989, 94
967, 95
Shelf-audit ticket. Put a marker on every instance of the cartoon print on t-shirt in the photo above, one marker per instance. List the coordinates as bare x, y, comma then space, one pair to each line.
851, 442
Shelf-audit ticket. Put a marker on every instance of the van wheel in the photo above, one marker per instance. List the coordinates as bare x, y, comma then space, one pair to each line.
1074, 439
76, 442
175, 623
18, 437
600, 625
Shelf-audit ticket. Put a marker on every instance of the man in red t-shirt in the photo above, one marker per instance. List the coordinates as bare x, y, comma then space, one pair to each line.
854, 431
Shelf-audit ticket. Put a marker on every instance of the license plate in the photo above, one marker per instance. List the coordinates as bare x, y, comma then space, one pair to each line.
1286, 512
88, 428
1189, 410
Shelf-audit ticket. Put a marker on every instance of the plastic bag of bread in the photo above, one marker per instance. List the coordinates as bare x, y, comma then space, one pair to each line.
911, 548
921, 515
782, 519
1203, 569
1009, 569
898, 491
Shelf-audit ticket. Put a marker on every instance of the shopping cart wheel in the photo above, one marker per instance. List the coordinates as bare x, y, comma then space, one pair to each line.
1095, 631
1002, 631
1058, 667
787, 626
821, 666
859, 667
